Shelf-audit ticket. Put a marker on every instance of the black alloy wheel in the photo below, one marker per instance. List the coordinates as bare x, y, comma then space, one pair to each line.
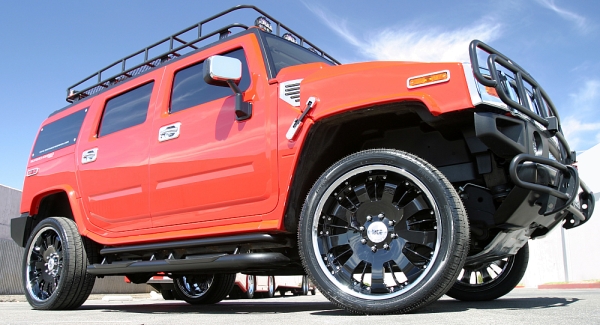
490, 280
55, 266
382, 231
201, 289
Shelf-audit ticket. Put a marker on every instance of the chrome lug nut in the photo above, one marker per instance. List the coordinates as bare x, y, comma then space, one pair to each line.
373, 249
386, 246
394, 236
381, 216
363, 241
369, 218
391, 222
361, 228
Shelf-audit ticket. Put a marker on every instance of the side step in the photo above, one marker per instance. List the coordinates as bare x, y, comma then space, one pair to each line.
210, 263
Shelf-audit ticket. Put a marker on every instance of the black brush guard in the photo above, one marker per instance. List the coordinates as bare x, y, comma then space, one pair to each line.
560, 193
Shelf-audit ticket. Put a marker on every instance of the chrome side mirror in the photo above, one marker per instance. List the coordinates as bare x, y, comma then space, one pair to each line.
225, 71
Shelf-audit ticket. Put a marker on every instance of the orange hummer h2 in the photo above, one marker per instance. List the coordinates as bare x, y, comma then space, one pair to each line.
249, 149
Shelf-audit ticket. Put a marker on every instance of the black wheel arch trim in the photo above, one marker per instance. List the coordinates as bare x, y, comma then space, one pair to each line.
20, 228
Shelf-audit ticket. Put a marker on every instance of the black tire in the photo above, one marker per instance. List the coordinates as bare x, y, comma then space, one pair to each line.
250, 287
203, 289
167, 294
304, 289
55, 266
270, 287
404, 208
491, 280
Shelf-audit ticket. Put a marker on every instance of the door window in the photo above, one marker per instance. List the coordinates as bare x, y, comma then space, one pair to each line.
190, 89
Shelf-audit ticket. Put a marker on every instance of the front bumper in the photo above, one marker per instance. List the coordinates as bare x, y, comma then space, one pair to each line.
556, 186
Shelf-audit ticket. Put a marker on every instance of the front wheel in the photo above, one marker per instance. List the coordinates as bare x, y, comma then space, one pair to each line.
203, 289
490, 280
382, 231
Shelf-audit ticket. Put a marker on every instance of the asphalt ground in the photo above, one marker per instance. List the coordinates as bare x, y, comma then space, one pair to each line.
522, 306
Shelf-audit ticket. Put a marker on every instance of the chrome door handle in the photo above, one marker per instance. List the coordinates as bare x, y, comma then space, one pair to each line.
169, 132
89, 156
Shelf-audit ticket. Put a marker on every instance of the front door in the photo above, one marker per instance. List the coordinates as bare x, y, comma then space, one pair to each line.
209, 169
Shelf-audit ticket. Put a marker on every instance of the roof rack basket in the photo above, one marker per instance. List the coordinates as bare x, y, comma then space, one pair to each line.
177, 46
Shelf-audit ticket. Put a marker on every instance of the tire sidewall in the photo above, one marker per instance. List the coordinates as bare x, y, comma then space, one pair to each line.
435, 281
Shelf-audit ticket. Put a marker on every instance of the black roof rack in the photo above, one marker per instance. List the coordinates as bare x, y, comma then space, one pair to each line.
177, 46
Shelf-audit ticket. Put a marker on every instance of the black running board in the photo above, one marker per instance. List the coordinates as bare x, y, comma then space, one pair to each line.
253, 240
211, 263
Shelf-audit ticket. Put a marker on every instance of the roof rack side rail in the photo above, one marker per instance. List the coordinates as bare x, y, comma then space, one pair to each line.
176, 43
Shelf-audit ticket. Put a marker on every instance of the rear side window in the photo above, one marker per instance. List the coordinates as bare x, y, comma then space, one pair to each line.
59, 134
190, 89
126, 110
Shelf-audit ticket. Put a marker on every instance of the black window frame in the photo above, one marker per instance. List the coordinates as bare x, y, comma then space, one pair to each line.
246, 78
127, 126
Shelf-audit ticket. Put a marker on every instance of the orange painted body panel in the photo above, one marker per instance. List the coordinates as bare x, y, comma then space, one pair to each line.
114, 188
359, 85
220, 176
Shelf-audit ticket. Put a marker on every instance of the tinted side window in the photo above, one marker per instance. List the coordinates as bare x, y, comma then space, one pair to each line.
59, 134
126, 110
190, 89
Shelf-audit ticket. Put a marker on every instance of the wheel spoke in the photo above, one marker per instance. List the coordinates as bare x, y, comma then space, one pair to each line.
377, 283
426, 238
389, 191
427, 258
416, 205
500, 263
486, 275
347, 270
337, 240
361, 193
341, 213
411, 271
466, 277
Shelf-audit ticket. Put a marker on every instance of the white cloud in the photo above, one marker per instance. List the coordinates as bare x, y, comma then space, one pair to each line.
412, 43
582, 126
580, 22
586, 99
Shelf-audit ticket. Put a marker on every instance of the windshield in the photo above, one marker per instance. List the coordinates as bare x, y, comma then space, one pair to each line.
284, 53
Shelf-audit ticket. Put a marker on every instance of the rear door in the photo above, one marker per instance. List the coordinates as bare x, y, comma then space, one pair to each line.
210, 169
113, 158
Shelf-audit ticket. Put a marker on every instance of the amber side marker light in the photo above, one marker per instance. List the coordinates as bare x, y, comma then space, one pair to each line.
491, 91
428, 79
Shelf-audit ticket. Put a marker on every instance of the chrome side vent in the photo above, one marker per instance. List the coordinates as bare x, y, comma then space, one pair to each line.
289, 92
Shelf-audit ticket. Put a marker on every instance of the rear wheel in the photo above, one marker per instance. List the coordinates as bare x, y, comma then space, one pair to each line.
491, 280
270, 287
203, 288
250, 286
382, 231
304, 285
55, 266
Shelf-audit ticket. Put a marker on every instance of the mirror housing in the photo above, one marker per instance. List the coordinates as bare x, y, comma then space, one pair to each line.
227, 72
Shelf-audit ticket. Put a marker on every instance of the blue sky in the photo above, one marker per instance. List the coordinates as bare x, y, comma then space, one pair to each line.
47, 46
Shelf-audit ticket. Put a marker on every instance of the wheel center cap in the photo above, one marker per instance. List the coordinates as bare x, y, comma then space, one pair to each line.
377, 232
51, 264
